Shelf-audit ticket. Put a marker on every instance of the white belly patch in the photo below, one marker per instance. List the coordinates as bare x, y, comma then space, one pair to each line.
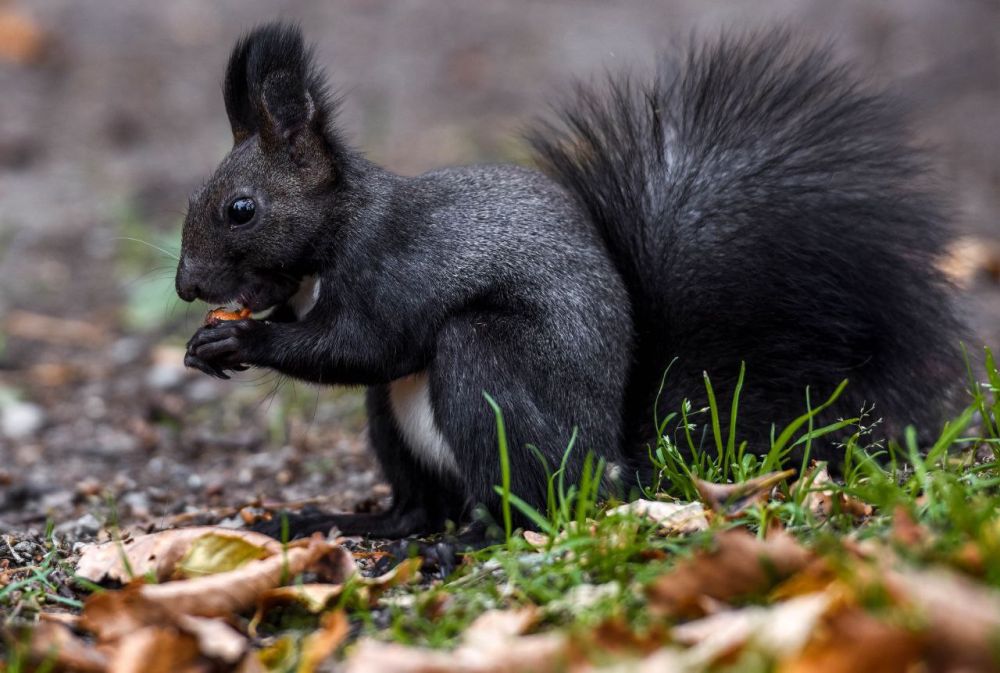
306, 297
410, 399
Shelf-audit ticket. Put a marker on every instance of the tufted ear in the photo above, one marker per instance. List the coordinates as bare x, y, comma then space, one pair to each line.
273, 89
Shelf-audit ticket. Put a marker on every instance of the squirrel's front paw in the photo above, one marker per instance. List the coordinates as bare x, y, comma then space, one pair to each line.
226, 346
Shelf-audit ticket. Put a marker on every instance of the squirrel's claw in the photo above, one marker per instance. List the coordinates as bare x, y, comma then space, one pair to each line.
214, 349
197, 363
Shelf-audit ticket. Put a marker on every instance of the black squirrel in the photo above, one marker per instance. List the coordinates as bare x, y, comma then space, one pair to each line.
751, 203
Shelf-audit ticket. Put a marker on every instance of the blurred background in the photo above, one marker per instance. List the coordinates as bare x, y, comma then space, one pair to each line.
111, 113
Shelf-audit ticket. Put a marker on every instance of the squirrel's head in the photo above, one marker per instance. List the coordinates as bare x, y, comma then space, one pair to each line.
251, 231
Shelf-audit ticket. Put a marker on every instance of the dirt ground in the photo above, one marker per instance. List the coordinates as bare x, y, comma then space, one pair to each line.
111, 113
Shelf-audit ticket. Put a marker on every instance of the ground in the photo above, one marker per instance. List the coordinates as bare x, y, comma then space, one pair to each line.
111, 113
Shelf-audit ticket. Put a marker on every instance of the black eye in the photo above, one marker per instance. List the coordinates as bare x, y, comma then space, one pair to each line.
241, 210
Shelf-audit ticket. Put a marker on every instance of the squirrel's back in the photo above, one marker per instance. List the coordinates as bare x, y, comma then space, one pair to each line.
764, 207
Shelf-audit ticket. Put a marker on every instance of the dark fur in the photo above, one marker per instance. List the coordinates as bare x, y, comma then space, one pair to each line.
750, 204
765, 208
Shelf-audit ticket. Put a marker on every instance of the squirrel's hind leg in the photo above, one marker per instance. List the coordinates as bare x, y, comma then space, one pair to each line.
422, 502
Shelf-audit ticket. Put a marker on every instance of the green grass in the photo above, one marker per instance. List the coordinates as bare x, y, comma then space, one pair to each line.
594, 566
37, 588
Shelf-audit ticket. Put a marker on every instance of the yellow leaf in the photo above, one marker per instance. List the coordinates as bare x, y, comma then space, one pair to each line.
211, 554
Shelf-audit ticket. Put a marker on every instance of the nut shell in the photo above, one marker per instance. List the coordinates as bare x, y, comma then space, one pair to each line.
219, 315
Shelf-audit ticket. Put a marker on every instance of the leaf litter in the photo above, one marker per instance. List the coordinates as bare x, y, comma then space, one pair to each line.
205, 599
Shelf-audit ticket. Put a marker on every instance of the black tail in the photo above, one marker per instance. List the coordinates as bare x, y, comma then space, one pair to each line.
764, 208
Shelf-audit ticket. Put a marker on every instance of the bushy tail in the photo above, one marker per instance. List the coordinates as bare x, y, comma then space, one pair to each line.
765, 208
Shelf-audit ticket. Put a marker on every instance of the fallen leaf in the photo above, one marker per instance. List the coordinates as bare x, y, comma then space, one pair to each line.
906, 532
155, 555
618, 636
823, 498
112, 615
731, 499
21, 39
406, 571
850, 640
238, 590
155, 649
319, 645
776, 632
674, 518
493, 643
50, 329
498, 624
816, 576
663, 660
54, 642
279, 655
536, 539
216, 639
537, 653
737, 565
64, 618
314, 598
212, 553
963, 617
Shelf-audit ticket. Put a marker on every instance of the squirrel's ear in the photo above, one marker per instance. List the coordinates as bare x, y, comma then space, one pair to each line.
236, 91
273, 89
288, 111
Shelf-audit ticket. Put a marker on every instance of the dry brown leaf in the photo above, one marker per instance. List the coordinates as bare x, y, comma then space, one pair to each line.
906, 531
156, 649
496, 624
217, 640
816, 576
155, 555
537, 653
56, 643
777, 631
739, 564
319, 645
130, 626
618, 636
493, 643
823, 500
50, 329
251, 664
406, 571
663, 660
64, 618
313, 597
238, 590
112, 615
21, 39
674, 518
963, 617
849, 640
212, 554
731, 499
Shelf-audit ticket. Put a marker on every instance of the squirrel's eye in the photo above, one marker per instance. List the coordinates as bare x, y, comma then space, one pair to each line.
241, 210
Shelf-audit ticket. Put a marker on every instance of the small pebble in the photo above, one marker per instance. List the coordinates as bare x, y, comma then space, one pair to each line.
21, 419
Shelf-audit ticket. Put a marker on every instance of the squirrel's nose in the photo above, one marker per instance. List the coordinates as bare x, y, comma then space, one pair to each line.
187, 287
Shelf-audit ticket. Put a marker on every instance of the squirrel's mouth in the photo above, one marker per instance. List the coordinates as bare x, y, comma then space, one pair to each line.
260, 295
258, 290
301, 297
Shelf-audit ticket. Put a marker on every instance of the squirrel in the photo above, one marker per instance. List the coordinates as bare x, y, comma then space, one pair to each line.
749, 205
